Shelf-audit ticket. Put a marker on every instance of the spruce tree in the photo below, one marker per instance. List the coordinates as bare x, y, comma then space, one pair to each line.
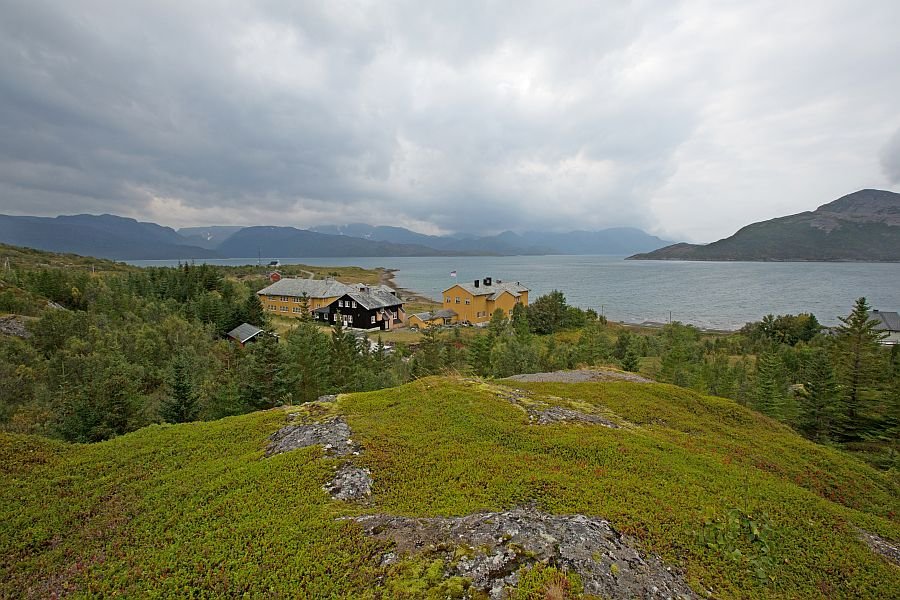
820, 404
771, 393
308, 351
428, 358
631, 361
181, 405
857, 350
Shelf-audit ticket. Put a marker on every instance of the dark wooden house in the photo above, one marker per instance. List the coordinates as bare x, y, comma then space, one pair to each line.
368, 308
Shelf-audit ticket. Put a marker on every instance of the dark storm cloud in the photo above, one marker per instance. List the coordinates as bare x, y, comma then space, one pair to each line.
686, 118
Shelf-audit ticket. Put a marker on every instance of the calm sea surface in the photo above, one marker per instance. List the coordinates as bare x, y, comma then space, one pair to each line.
721, 295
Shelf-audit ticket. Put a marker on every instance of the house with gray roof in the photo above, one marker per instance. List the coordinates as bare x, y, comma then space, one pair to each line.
889, 323
364, 307
286, 297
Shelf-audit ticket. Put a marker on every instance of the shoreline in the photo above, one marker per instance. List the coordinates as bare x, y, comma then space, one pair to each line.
387, 278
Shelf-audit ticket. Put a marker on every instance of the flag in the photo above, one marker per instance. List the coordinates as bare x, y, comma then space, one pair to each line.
452, 273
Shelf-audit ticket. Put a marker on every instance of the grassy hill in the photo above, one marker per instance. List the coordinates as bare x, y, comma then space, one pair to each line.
197, 510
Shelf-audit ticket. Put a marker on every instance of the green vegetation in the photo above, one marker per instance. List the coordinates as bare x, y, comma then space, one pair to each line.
195, 509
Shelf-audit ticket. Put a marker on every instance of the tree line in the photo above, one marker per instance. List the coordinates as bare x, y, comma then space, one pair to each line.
123, 350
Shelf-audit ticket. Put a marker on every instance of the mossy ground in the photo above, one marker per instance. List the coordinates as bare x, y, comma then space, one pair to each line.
195, 510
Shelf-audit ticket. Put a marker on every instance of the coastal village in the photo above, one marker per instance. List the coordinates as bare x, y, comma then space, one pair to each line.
379, 307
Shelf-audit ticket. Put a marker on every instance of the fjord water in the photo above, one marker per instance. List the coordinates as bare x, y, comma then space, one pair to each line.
718, 295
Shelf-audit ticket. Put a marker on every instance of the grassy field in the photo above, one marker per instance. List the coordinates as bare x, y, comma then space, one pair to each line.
195, 510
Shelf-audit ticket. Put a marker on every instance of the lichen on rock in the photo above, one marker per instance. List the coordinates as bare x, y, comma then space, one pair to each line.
333, 435
489, 549
350, 483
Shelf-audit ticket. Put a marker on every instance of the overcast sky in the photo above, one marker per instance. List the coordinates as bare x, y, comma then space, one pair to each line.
688, 119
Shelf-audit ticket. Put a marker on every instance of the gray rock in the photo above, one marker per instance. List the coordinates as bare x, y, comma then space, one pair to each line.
350, 483
881, 546
13, 325
333, 435
327, 398
543, 413
558, 414
496, 545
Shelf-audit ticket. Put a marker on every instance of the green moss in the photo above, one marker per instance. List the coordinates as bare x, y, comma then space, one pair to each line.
195, 509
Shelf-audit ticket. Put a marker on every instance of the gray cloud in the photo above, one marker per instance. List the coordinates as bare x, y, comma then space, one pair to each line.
683, 118
890, 159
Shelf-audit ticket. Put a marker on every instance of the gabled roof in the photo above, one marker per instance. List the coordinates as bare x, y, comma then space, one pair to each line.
244, 332
445, 313
320, 288
314, 288
375, 298
494, 290
887, 321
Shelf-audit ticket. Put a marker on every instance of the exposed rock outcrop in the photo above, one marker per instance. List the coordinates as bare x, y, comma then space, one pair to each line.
881, 546
333, 435
350, 484
541, 412
13, 325
490, 548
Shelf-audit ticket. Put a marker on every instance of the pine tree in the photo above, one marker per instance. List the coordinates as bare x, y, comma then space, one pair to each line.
820, 404
308, 353
344, 354
631, 361
428, 360
254, 313
771, 393
857, 359
181, 405
305, 312
480, 353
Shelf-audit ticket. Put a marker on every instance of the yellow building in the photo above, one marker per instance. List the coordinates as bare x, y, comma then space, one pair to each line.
285, 296
475, 302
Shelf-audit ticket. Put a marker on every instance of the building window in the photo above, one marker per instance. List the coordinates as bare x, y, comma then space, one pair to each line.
373, 319
468, 301
341, 303
457, 299
297, 300
285, 299
297, 309
448, 300
284, 309
354, 304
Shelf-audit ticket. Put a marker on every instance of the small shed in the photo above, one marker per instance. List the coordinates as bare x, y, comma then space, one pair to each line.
244, 333
427, 319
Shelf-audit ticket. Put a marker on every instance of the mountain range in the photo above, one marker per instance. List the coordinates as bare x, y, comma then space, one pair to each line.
120, 238
862, 226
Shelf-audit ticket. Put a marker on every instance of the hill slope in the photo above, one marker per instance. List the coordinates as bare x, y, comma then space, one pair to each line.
289, 242
198, 507
862, 226
104, 236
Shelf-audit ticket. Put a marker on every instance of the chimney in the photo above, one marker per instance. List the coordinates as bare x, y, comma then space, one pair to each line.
476, 283
487, 281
